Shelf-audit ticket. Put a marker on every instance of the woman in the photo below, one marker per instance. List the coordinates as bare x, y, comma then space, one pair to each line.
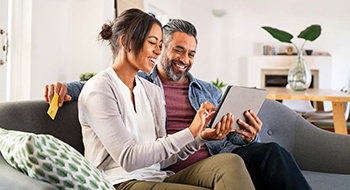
123, 119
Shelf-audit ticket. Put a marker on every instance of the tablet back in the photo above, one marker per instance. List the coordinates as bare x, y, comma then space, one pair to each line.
236, 100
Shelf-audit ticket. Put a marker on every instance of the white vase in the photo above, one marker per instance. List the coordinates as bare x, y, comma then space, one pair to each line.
299, 75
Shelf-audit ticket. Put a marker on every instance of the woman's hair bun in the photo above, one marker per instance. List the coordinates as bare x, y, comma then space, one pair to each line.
106, 32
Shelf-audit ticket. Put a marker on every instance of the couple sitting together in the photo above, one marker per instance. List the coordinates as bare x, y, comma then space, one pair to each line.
144, 124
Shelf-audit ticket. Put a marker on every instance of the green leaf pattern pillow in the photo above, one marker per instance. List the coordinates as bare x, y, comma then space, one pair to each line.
47, 158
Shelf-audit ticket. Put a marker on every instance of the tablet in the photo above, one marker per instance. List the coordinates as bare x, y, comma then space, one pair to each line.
236, 100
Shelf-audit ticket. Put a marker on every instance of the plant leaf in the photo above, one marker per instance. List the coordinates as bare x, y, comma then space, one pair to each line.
280, 35
218, 84
311, 33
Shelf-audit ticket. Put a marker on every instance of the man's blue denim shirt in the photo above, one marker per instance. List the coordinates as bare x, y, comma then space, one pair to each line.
199, 92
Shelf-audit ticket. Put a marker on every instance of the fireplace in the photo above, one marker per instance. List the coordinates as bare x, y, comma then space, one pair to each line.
279, 78
265, 71
272, 71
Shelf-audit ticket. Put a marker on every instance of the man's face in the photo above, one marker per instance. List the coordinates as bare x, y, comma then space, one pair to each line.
177, 57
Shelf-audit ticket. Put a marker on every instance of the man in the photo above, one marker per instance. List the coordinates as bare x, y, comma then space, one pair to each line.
270, 166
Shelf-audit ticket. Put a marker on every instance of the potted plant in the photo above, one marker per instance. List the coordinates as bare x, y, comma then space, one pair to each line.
299, 75
86, 76
218, 84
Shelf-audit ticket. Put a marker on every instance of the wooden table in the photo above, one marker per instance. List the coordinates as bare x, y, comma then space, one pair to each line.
337, 98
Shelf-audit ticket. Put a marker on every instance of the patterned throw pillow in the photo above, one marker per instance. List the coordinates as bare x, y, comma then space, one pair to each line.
46, 158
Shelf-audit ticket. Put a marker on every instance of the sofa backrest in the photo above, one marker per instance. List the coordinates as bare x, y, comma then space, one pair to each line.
31, 116
306, 142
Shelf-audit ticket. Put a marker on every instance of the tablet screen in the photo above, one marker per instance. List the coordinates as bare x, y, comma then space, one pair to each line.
236, 100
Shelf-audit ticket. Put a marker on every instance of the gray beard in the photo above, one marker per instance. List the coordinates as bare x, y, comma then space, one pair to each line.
169, 72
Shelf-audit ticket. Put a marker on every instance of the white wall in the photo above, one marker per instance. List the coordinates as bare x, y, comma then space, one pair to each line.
64, 36
168, 8
52, 43
225, 43
64, 40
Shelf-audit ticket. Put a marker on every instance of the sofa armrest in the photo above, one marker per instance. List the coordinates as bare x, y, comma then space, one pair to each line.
320, 150
12, 179
314, 149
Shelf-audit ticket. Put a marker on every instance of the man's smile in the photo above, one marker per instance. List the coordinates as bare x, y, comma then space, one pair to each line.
179, 65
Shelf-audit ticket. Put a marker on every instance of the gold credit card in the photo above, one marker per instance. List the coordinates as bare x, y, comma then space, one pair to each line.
53, 107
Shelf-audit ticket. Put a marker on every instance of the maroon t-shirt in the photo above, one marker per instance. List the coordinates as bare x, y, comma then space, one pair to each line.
180, 114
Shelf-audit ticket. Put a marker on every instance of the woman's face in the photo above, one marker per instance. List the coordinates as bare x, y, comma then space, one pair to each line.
152, 48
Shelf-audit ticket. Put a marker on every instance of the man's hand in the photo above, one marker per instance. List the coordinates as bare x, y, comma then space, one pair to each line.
250, 131
60, 89
221, 130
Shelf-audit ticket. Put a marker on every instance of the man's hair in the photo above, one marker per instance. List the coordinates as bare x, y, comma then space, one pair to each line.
178, 25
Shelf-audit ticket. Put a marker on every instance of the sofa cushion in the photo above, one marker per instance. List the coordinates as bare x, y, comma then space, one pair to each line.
326, 181
15, 180
47, 158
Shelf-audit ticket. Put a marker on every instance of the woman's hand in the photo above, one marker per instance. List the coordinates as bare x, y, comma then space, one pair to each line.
250, 131
221, 130
203, 116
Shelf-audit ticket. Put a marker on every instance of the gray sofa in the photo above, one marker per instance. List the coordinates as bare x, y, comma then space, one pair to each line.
323, 156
